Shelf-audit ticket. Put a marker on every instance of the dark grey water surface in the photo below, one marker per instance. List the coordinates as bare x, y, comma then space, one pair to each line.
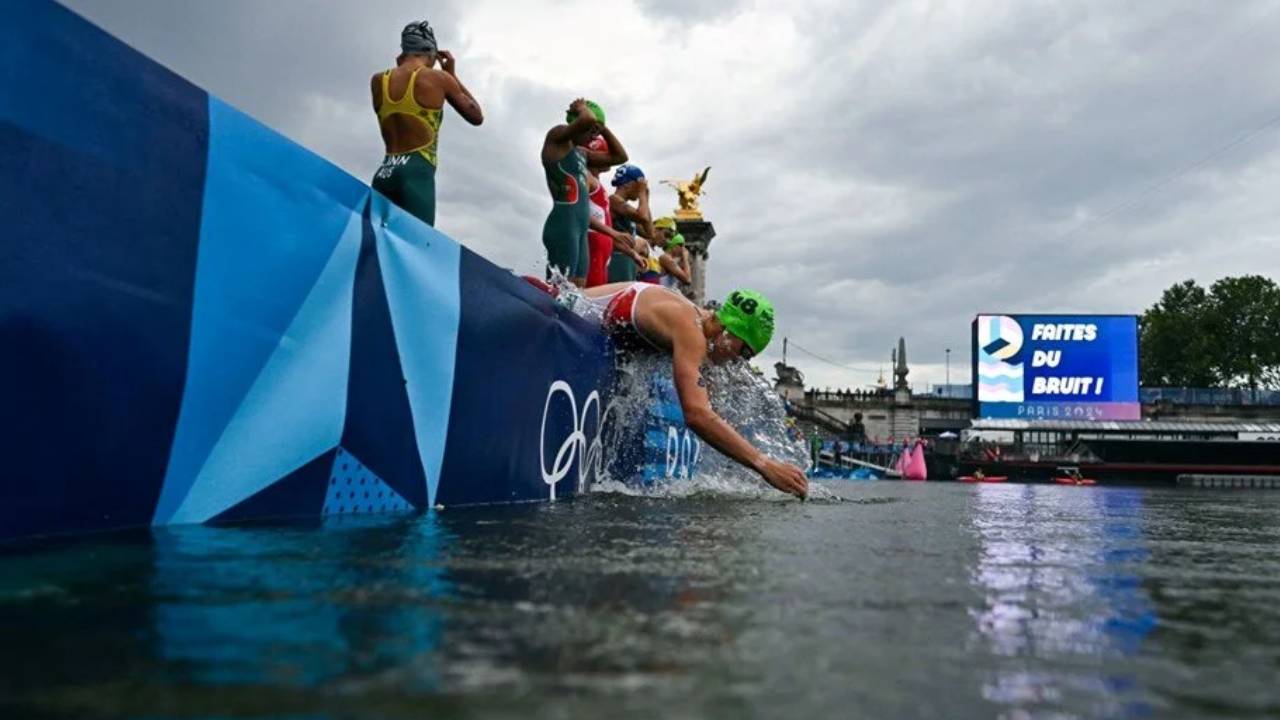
901, 600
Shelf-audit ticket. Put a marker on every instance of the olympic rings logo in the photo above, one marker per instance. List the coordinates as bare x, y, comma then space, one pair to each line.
592, 452
683, 452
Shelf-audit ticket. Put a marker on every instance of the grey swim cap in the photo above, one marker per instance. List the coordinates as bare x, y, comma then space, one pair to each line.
418, 38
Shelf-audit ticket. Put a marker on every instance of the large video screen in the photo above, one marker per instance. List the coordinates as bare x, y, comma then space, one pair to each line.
1061, 367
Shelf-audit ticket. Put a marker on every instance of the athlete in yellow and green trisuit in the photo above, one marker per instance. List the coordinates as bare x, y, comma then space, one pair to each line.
409, 100
564, 160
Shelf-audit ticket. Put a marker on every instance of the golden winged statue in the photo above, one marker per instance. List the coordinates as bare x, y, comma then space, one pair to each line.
688, 192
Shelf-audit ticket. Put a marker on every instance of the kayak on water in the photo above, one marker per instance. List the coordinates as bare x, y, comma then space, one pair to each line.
983, 479
1075, 481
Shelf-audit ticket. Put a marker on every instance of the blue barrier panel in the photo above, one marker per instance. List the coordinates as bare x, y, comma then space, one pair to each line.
101, 209
202, 321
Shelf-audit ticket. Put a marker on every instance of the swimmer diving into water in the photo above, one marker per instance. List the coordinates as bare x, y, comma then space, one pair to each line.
639, 315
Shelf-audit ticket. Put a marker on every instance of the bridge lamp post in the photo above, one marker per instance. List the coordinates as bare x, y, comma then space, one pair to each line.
948, 370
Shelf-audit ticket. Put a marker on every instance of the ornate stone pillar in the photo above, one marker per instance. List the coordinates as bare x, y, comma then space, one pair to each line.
697, 238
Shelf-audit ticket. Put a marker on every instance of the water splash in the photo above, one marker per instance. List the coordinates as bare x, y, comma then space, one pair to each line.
571, 297
739, 393
744, 398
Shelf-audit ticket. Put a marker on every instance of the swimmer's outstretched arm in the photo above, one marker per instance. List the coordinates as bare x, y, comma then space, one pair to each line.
688, 352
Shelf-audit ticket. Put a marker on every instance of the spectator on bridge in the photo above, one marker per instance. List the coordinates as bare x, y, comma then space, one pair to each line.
857, 431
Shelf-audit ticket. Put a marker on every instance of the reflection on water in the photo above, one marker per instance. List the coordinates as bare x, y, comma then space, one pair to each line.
903, 600
299, 606
1058, 570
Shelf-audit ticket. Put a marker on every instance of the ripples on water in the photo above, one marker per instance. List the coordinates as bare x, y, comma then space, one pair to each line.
910, 600
710, 597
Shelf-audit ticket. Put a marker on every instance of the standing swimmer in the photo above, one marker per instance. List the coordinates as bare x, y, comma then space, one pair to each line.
410, 125
630, 186
675, 257
564, 161
602, 238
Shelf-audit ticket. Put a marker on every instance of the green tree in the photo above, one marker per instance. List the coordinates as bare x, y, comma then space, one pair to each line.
1175, 351
1226, 336
1244, 320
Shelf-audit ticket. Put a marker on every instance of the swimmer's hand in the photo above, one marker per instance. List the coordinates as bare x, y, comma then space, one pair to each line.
784, 476
579, 108
447, 62
623, 239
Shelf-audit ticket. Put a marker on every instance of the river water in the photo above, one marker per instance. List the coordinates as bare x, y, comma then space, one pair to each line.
884, 599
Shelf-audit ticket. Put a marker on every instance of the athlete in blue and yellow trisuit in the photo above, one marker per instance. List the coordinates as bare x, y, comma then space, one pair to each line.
564, 160
409, 100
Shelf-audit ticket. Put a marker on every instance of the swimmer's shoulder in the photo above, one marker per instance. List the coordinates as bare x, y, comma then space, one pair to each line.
669, 306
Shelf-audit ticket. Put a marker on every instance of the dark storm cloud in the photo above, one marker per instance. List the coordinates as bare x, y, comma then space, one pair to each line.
916, 162
1012, 142
268, 57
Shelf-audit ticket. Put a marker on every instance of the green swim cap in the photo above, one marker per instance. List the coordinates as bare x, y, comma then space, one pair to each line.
675, 240
748, 315
596, 110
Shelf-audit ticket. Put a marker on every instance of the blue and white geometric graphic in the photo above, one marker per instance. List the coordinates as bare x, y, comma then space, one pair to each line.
1000, 379
420, 275
272, 320
355, 490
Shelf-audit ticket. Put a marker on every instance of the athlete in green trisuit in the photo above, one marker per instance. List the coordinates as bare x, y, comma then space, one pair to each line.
409, 100
564, 161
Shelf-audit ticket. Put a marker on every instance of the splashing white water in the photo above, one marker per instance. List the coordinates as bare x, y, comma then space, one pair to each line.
739, 393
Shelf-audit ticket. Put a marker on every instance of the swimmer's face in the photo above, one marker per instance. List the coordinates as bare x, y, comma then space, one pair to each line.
726, 348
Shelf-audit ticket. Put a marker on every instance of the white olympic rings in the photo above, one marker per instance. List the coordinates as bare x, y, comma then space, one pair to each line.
576, 443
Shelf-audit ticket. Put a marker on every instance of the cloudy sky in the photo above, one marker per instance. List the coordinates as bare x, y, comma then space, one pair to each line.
879, 168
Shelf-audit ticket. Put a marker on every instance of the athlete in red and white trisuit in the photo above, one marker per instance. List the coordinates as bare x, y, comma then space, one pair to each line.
602, 238
639, 314
599, 244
